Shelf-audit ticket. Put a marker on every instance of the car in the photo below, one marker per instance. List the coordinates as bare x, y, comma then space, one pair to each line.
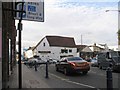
72, 65
109, 59
94, 62
34, 61
52, 61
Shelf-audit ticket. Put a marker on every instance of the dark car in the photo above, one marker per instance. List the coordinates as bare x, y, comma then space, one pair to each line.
109, 59
72, 64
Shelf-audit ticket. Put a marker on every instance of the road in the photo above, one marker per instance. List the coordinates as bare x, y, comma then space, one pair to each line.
95, 78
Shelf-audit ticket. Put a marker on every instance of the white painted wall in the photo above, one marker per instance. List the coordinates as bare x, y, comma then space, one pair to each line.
118, 47
55, 51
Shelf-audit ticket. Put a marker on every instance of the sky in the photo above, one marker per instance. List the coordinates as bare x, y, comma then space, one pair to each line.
73, 18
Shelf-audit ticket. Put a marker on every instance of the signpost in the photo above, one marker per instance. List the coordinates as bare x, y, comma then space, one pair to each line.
34, 11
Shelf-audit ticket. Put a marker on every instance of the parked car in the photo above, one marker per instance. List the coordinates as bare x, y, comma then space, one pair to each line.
31, 62
109, 59
72, 64
94, 62
52, 61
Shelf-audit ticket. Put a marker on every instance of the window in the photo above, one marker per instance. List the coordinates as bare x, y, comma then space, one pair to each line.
70, 50
44, 44
64, 51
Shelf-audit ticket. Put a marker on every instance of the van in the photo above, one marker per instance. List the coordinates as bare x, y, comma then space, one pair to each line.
109, 59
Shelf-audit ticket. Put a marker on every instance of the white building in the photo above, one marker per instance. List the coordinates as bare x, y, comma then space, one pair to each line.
55, 47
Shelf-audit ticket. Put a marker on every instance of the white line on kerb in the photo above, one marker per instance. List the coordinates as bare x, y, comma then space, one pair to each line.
67, 80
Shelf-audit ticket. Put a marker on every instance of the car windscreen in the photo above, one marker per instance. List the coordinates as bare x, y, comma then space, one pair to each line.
74, 59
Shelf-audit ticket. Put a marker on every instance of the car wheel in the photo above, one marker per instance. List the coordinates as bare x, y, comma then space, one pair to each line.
65, 71
85, 72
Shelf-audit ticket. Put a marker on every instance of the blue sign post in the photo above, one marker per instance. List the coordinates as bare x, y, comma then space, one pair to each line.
34, 11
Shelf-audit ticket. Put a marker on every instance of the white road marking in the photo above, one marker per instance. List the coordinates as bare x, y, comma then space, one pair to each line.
67, 80
101, 74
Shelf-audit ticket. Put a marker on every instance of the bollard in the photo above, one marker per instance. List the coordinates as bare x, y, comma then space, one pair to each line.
109, 79
47, 70
35, 66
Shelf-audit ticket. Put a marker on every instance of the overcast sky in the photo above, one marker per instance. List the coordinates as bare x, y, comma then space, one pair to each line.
73, 18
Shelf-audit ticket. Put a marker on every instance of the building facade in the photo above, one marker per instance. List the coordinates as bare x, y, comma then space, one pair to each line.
55, 47
8, 42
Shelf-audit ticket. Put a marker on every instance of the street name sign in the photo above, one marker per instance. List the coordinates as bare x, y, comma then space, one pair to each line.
34, 11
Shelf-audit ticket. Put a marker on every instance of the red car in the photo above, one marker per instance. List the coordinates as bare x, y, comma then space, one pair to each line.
72, 64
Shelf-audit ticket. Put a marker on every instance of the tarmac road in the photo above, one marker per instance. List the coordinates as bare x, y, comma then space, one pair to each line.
95, 78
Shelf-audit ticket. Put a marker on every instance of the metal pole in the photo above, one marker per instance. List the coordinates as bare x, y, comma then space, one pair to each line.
20, 66
35, 66
47, 69
20, 70
109, 79
81, 39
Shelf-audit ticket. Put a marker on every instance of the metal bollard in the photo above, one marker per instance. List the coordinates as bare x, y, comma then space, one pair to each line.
35, 66
46, 70
109, 79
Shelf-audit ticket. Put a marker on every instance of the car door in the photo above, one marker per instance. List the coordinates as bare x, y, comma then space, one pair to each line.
59, 64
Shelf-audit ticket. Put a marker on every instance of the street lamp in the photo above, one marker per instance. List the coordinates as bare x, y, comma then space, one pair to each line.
118, 29
112, 10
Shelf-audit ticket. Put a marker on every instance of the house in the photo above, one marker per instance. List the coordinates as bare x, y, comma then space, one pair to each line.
55, 47
96, 48
84, 51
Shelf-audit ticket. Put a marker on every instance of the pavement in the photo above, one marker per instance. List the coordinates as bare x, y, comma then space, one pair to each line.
0, 74
29, 80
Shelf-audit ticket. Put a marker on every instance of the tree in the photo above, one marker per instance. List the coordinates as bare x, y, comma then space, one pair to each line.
118, 36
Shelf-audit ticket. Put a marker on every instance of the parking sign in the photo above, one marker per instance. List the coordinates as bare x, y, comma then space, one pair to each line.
34, 11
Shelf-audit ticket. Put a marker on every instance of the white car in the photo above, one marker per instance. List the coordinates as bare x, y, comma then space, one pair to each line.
94, 62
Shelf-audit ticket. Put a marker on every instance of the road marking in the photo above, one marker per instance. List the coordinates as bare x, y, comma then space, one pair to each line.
67, 80
58, 77
80, 84
101, 74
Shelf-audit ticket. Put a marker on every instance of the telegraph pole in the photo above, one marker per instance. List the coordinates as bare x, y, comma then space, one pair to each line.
81, 39
118, 22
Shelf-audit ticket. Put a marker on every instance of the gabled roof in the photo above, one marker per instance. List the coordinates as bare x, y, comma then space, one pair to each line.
61, 41
81, 47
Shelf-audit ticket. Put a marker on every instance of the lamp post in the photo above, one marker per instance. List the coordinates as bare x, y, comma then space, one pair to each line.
118, 27
81, 39
19, 47
112, 10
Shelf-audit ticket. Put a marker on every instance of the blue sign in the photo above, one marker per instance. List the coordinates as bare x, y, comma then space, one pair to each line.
31, 8
34, 11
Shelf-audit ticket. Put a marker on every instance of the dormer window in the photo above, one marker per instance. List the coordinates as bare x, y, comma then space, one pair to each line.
44, 44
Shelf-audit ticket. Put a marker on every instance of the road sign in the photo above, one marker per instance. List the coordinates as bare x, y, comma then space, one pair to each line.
34, 11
